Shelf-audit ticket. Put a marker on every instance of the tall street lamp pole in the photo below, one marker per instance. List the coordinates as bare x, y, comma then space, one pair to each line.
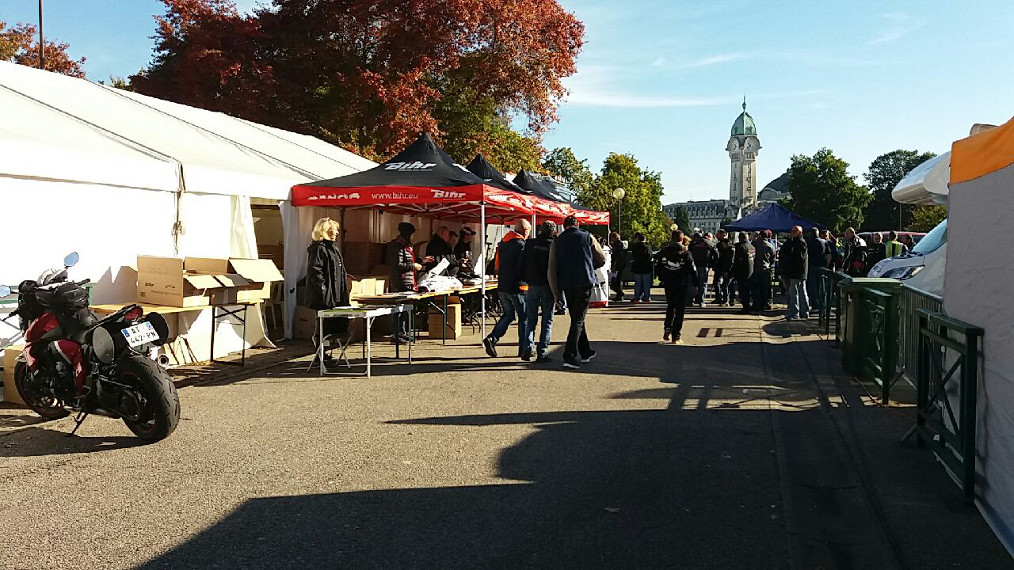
42, 41
619, 193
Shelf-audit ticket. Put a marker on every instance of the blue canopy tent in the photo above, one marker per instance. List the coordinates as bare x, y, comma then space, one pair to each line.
773, 217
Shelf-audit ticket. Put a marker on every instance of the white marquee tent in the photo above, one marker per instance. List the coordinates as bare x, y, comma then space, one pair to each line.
112, 174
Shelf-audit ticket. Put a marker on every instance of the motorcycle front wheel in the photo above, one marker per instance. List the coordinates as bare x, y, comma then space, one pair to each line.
160, 412
48, 408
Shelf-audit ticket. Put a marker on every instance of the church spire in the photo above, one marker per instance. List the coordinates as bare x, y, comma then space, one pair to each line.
744, 103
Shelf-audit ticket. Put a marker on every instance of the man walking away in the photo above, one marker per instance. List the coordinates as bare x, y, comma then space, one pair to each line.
573, 258
640, 266
705, 256
617, 263
818, 256
763, 263
794, 260
893, 247
742, 270
540, 296
723, 269
675, 268
509, 268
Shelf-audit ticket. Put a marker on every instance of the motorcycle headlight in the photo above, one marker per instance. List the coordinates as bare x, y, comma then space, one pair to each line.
903, 272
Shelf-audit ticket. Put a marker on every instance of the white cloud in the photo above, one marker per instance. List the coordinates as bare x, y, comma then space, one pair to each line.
899, 25
659, 62
714, 60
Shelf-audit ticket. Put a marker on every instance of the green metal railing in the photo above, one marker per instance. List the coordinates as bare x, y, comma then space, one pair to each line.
948, 355
830, 291
877, 316
910, 301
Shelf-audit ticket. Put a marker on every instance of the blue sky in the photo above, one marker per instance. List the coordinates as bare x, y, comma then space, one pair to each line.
664, 80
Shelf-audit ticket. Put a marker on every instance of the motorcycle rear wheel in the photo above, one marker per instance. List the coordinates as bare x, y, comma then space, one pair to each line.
48, 410
161, 414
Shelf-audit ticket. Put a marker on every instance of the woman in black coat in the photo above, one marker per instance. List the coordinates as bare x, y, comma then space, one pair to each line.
325, 275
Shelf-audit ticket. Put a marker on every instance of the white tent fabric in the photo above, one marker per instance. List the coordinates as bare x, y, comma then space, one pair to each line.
926, 184
113, 174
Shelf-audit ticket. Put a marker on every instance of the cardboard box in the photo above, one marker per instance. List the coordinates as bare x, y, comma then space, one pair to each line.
163, 281
435, 320
304, 324
197, 281
260, 273
10, 358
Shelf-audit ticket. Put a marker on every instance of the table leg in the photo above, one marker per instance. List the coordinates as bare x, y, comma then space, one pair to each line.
242, 355
443, 333
320, 344
214, 321
411, 324
369, 345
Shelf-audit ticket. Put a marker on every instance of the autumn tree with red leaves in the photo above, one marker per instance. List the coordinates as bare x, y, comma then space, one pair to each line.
20, 44
372, 74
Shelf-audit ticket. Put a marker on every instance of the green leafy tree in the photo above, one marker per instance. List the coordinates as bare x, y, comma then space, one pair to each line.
562, 163
821, 189
925, 218
640, 210
883, 175
725, 222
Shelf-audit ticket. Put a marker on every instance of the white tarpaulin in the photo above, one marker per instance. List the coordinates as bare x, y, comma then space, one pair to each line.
112, 174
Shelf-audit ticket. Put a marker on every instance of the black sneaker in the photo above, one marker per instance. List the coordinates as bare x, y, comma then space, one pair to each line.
572, 364
526, 356
490, 345
543, 357
590, 356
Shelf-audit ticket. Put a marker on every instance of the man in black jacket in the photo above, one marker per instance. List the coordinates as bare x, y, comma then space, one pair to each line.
793, 260
675, 268
742, 271
573, 259
401, 258
535, 269
723, 269
705, 256
509, 288
763, 266
617, 263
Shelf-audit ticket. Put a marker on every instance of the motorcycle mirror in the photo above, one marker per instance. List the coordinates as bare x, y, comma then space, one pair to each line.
71, 259
4, 290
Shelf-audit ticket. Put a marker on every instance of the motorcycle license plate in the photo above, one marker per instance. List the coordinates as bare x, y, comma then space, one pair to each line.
140, 334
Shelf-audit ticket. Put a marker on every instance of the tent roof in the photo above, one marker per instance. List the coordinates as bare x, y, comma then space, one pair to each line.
772, 217
490, 175
983, 153
420, 180
71, 129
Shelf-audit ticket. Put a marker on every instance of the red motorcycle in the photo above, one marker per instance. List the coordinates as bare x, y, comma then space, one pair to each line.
74, 361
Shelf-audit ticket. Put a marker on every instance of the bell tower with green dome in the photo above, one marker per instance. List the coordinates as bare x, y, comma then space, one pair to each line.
743, 148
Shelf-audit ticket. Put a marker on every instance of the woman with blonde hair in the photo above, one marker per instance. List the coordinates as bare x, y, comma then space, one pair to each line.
326, 276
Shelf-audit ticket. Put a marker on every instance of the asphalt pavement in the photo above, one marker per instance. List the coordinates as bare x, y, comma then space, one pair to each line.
743, 448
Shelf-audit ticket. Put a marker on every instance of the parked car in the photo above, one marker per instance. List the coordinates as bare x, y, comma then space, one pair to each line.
923, 267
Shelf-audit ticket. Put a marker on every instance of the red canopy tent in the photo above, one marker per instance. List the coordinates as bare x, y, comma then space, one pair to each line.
420, 180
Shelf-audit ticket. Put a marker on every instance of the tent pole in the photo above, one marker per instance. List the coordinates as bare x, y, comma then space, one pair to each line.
482, 264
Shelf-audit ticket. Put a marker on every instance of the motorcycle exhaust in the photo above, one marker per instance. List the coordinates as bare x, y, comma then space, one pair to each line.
162, 360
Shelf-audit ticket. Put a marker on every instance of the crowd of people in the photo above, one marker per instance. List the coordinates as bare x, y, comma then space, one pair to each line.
543, 275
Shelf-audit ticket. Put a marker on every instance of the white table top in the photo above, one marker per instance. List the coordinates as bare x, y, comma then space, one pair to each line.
363, 311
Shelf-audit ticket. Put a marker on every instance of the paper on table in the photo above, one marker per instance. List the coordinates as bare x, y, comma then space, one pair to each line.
441, 266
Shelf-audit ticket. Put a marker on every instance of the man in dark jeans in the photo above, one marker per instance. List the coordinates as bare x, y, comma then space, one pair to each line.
723, 269
742, 270
793, 259
763, 264
676, 269
705, 256
535, 264
819, 253
509, 289
573, 258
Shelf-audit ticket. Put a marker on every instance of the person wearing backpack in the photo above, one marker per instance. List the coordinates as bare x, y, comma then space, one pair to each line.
793, 261
675, 268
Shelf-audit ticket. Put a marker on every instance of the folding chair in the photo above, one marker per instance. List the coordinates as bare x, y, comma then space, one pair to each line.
331, 343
